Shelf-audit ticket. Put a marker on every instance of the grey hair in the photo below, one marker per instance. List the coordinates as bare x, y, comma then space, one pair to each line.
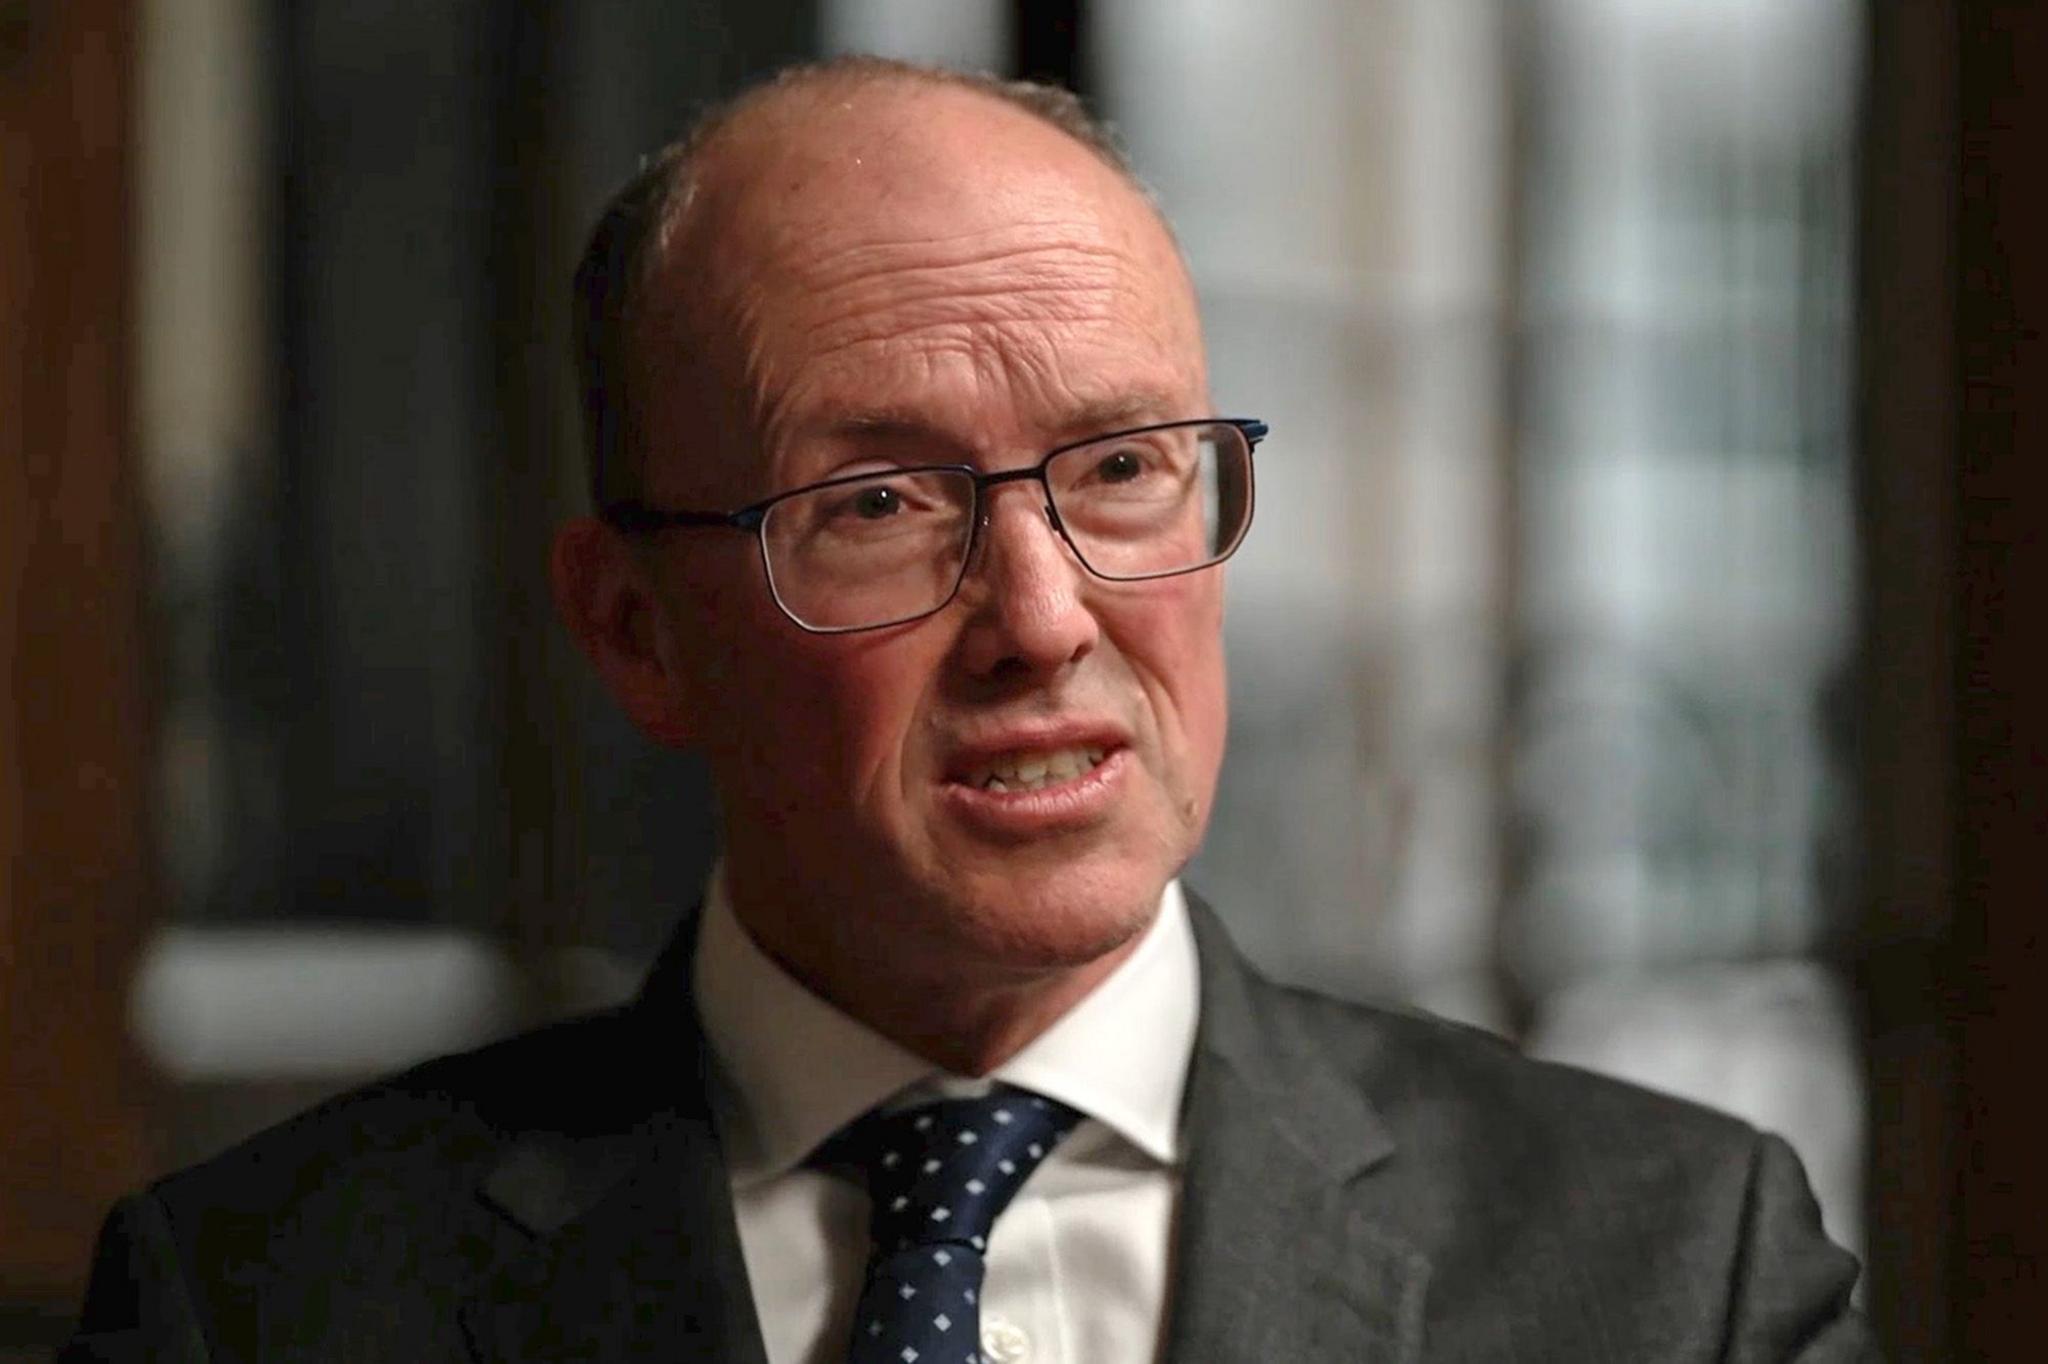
634, 234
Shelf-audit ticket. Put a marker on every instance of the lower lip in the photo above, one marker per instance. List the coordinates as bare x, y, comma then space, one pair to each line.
1056, 807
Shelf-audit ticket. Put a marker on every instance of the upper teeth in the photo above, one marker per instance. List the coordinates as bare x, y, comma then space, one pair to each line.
1028, 771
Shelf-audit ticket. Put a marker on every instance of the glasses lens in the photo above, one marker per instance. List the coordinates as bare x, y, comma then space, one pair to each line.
869, 551
1157, 502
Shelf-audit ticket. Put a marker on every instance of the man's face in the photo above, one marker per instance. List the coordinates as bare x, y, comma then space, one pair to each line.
913, 277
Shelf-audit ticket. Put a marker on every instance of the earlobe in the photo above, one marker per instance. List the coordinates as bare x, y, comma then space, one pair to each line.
614, 616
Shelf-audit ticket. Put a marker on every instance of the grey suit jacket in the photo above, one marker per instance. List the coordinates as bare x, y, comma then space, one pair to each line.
1361, 1185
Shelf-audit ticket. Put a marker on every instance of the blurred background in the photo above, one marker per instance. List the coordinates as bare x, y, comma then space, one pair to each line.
1638, 653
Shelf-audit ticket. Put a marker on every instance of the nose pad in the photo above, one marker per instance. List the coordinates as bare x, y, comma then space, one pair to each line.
1052, 518
984, 534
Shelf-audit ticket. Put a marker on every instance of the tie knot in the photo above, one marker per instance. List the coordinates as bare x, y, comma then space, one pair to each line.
942, 1172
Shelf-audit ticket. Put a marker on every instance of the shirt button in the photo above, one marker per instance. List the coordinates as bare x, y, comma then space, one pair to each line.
1004, 1342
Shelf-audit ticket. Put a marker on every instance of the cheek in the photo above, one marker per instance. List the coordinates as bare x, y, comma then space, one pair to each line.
1205, 715
756, 691
871, 694
836, 716
1178, 646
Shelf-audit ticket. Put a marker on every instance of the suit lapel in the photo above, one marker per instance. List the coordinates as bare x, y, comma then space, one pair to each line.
630, 1247
1279, 1256
631, 1250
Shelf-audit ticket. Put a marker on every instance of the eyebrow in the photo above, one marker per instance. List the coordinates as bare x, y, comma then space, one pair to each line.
1137, 408
890, 425
1097, 417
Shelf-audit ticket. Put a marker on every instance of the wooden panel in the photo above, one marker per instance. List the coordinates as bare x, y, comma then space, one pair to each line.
1956, 745
2002, 678
74, 728
1908, 792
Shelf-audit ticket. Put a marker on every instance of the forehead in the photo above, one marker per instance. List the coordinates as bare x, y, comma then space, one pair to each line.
933, 253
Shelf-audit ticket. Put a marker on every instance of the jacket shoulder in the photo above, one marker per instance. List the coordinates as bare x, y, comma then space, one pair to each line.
430, 1123
1584, 1208
366, 1220
1435, 1083
1432, 1078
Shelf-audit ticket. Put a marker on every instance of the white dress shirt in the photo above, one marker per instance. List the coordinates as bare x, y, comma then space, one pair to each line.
1077, 1263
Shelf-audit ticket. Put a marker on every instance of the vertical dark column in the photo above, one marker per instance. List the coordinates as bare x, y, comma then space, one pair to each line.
1954, 420
383, 313
2001, 1282
77, 883
1049, 44
531, 439
1517, 396
1907, 450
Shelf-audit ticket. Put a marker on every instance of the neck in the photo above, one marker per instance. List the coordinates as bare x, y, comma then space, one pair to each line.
955, 1007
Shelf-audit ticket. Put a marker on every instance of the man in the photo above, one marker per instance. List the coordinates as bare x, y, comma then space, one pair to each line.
912, 504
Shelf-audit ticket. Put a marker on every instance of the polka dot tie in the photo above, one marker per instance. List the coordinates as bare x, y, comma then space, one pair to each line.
938, 1175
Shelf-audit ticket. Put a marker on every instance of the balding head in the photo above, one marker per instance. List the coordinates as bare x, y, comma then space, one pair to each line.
851, 288
674, 252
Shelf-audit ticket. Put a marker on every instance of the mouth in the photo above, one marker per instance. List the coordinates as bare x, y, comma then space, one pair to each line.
1034, 769
1027, 786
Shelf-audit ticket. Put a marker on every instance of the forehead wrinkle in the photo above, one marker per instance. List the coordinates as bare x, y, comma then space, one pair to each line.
1015, 315
997, 316
1023, 360
938, 250
900, 287
988, 353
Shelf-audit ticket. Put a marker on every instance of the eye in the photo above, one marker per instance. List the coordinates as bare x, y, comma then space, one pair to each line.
1120, 466
876, 504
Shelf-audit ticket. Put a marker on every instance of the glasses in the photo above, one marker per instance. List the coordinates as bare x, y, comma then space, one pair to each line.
877, 549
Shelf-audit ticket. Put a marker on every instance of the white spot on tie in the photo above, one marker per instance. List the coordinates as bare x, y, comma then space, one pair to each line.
1003, 1116
923, 1124
899, 1204
979, 1244
1036, 1150
931, 1167
943, 1322
1008, 1167
908, 1355
942, 1257
940, 1214
968, 1139
889, 1160
975, 1186
875, 1327
907, 1292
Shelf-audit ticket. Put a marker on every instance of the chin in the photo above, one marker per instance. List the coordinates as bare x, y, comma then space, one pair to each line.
1051, 922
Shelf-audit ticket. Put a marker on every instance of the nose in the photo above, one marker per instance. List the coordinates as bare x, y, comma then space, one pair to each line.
1028, 612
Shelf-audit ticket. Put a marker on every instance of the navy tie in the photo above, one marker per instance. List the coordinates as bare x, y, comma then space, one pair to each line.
938, 1176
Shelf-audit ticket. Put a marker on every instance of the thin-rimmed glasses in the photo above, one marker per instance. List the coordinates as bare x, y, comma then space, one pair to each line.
871, 550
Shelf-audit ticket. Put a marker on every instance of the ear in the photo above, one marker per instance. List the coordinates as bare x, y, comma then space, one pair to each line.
612, 612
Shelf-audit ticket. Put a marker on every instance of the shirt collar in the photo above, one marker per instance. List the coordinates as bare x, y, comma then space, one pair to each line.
795, 1069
